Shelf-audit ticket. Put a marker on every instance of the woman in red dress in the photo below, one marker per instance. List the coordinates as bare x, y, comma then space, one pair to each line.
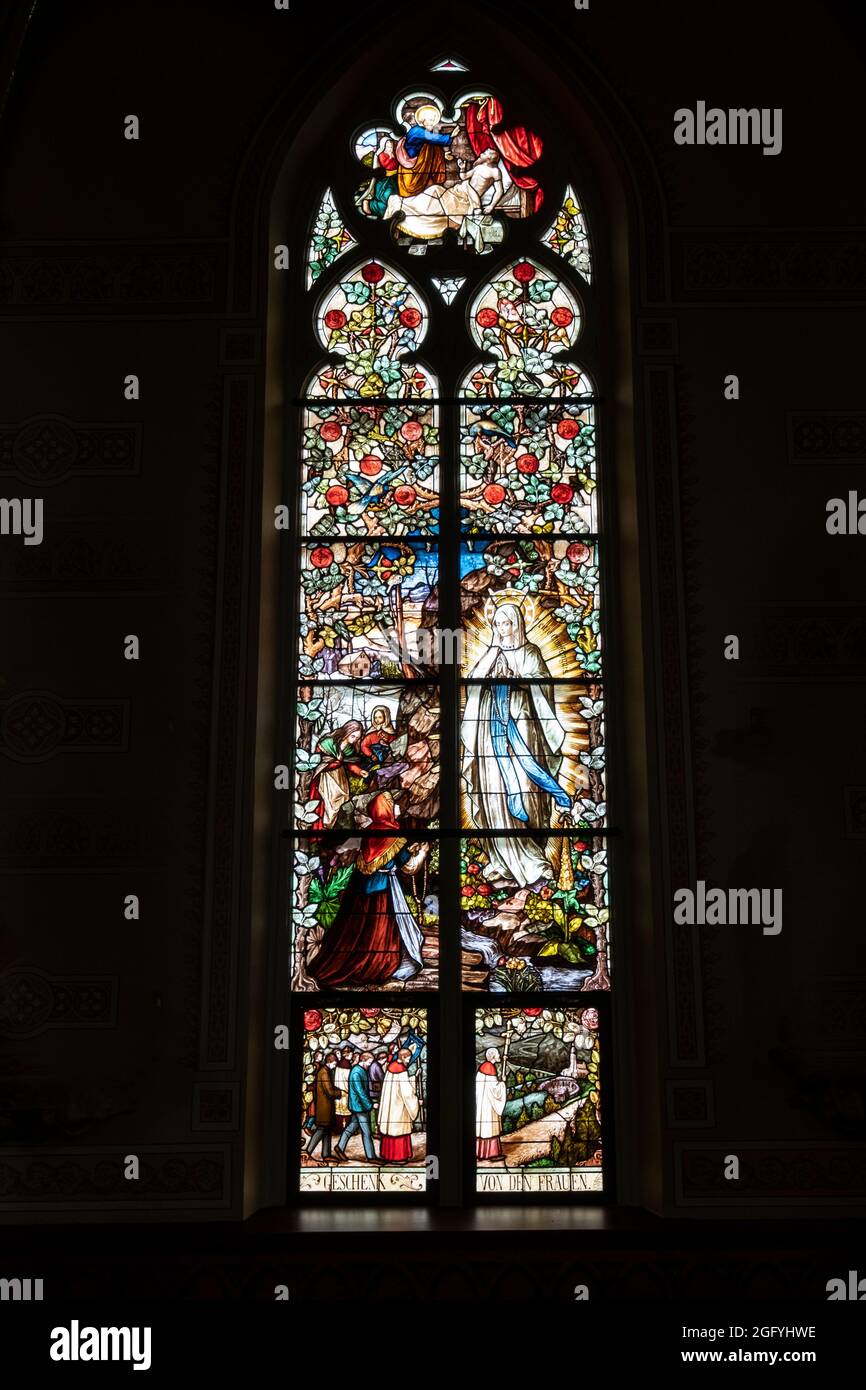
374, 936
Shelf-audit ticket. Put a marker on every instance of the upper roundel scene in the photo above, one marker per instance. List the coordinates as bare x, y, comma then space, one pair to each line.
436, 176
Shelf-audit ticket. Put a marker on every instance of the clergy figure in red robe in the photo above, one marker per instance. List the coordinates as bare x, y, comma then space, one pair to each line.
489, 1105
374, 936
398, 1108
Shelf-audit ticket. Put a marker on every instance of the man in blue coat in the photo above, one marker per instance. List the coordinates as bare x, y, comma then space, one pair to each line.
360, 1105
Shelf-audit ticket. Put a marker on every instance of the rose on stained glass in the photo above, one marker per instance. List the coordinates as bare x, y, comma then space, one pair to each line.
487, 318
335, 318
561, 492
404, 496
532, 1013
578, 553
321, 557
568, 429
372, 273
494, 493
411, 431
527, 463
370, 465
524, 272
370, 1013
312, 1020
336, 496
330, 430
410, 318
562, 317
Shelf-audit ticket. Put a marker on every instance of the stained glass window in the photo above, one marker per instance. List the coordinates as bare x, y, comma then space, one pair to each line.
330, 238
537, 1101
352, 1057
434, 170
447, 837
568, 237
449, 286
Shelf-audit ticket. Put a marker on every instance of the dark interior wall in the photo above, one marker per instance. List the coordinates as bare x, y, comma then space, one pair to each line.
126, 777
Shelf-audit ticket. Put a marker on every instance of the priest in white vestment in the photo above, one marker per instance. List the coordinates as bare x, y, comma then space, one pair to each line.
398, 1108
489, 1105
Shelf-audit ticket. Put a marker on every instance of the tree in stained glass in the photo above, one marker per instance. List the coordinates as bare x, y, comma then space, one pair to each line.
368, 610
370, 470
524, 317
370, 445
527, 465
330, 239
372, 318
442, 173
537, 1100
568, 237
363, 1112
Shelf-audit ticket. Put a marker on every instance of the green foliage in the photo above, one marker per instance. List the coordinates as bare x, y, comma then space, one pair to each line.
327, 895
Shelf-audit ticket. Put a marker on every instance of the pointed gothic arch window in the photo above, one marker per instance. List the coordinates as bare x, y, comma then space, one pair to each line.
446, 873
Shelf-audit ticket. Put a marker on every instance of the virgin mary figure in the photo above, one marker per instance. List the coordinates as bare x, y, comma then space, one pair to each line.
374, 936
512, 742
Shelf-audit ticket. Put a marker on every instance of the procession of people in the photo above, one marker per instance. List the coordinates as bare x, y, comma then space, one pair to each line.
376, 1095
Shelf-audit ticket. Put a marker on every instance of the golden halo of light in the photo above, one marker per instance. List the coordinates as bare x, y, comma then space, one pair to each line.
517, 598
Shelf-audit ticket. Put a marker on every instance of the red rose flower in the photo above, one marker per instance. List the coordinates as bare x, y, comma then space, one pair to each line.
410, 318
370, 465
321, 557
532, 1013
336, 496
404, 496
580, 844
578, 553
411, 431
562, 317
527, 463
568, 429
524, 272
494, 494
312, 1020
369, 1013
335, 318
487, 318
330, 430
561, 492
372, 273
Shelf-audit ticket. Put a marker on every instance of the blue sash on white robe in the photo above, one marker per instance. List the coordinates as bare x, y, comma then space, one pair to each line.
505, 732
